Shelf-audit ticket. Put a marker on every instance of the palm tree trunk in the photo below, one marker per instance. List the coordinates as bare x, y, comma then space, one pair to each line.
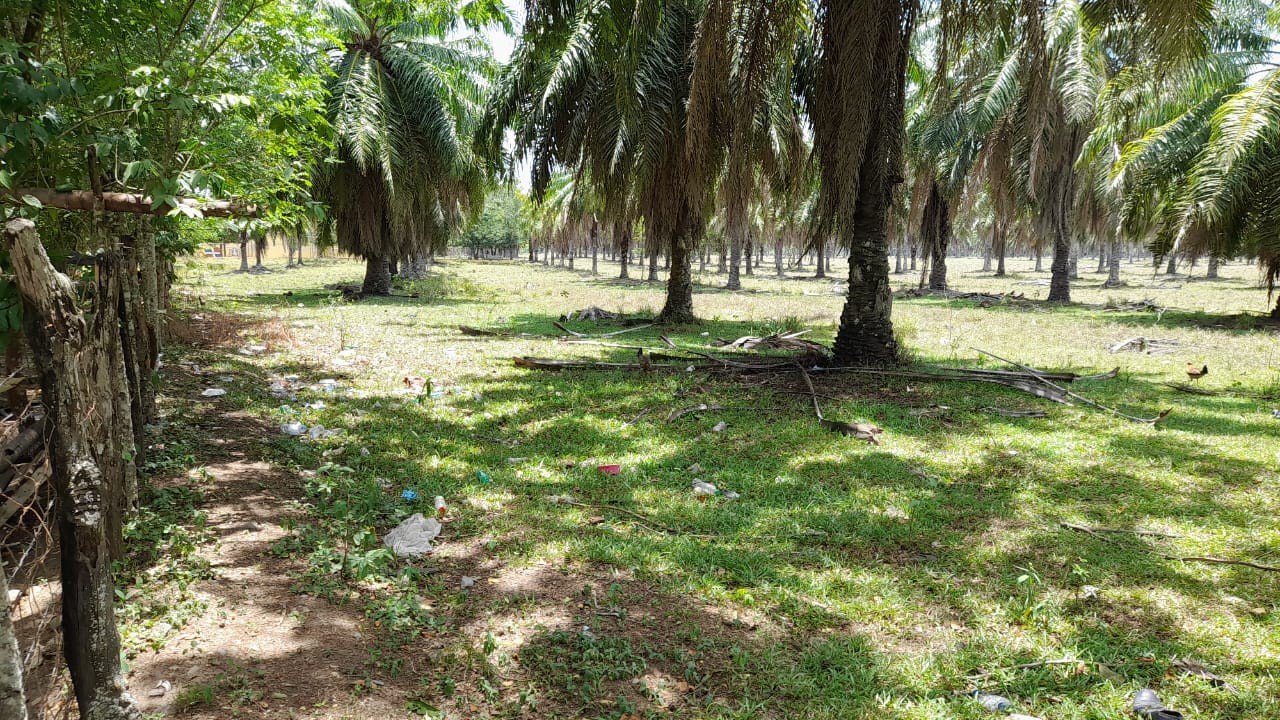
1172, 267
1212, 273
679, 305
1102, 259
820, 254
749, 255
777, 257
653, 259
1001, 245
623, 231
1113, 263
257, 252
935, 235
1060, 270
735, 263
244, 251
377, 276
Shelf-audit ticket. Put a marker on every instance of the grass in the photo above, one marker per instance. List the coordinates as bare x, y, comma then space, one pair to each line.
848, 581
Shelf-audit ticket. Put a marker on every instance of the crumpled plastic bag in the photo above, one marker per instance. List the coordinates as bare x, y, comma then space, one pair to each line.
413, 536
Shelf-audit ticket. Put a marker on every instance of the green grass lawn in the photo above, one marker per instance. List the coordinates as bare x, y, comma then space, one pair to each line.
848, 580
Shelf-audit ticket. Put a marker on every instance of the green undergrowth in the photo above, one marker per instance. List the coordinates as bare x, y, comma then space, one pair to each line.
848, 580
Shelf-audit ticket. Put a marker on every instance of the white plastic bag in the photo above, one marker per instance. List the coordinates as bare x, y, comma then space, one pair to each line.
413, 537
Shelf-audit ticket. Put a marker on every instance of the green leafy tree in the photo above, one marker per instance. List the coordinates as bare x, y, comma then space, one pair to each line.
403, 99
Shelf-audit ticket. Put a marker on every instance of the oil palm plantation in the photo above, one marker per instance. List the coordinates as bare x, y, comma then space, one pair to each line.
600, 89
404, 96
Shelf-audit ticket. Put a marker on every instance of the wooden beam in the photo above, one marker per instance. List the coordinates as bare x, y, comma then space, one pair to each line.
117, 202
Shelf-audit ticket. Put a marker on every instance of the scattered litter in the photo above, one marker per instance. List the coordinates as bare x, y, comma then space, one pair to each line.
609, 469
694, 468
483, 477
413, 536
293, 428
994, 703
317, 405
895, 513
253, 349
720, 426
213, 392
319, 432
415, 383
437, 393
1147, 704
586, 633
560, 499
468, 581
278, 388
364, 452
1088, 592
328, 385
410, 495
441, 507
704, 490
516, 460
161, 688
1276, 413
291, 378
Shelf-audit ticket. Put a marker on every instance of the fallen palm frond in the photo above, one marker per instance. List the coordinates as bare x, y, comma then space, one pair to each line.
776, 341
985, 299
590, 313
478, 332
1150, 346
860, 431
1040, 376
574, 333
701, 407
1148, 305
1014, 413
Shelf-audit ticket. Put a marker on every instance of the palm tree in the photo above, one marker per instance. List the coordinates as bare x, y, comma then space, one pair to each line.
1204, 148
403, 101
857, 106
600, 89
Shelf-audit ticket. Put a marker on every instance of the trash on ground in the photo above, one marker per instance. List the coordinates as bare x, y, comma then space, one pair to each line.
1276, 413
1147, 704
694, 468
586, 633
560, 499
413, 536
704, 490
293, 428
468, 581
415, 384
328, 385
253, 349
213, 392
516, 460
441, 507
994, 703
317, 405
720, 426
319, 432
410, 495
364, 452
1150, 346
1088, 592
483, 477
609, 469
161, 688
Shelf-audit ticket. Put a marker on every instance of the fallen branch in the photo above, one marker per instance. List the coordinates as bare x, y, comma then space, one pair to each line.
1183, 387
1125, 531
860, 431
477, 332
1039, 376
636, 419
1014, 413
574, 333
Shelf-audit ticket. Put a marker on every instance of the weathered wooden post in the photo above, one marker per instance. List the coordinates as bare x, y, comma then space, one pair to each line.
81, 364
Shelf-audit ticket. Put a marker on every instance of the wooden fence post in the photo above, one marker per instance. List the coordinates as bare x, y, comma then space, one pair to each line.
80, 366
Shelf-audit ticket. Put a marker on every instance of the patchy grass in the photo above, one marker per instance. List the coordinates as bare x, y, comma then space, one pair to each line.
848, 581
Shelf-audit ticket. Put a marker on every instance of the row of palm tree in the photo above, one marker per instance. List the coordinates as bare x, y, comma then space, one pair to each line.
1064, 122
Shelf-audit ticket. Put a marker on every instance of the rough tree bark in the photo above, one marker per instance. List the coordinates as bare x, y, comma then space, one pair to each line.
734, 282
1113, 264
877, 95
622, 231
1212, 273
820, 257
13, 703
679, 305
244, 251
377, 276
935, 235
77, 370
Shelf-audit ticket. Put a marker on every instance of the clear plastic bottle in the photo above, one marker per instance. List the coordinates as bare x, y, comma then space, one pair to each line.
994, 703
441, 507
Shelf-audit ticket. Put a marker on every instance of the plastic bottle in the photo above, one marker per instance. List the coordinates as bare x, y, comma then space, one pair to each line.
483, 477
994, 703
704, 489
441, 508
